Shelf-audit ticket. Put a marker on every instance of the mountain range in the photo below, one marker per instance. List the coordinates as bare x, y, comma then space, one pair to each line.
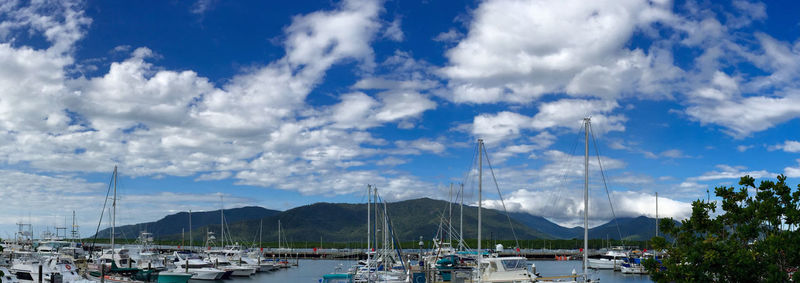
344, 222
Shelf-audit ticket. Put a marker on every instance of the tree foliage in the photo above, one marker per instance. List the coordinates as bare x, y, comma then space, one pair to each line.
754, 238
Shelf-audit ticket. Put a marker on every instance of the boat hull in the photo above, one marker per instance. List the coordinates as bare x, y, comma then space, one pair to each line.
604, 263
174, 277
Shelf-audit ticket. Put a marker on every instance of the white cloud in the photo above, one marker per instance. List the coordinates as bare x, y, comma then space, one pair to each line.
25, 193
565, 207
501, 126
565, 113
214, 176
402, 105
516, 51
744, 116
787, 146
751, 101
452, 35
674, 153
394, 31
792, 172
201, 6
730, 172
419, 146
391, 161
255, 128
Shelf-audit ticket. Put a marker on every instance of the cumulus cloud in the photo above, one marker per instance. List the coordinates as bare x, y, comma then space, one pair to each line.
255, 128
792, 172
787, 146
760, 113
63, 194
731, 172
565, 113
566, 207
515, 51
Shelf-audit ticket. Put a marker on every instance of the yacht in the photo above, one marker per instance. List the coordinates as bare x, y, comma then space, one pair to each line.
611, 259
222, 262
200, 270
7, 276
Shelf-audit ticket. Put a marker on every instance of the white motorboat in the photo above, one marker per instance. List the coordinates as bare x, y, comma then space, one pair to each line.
120, 256
26, 267
7, 276
505, 269
611, 259
221, 262
200, 270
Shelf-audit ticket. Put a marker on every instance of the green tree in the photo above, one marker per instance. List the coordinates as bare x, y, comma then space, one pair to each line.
754, 238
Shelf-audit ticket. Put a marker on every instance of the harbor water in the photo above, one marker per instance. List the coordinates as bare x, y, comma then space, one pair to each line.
312, 271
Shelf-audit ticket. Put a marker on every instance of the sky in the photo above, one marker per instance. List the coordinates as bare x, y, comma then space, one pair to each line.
211, 103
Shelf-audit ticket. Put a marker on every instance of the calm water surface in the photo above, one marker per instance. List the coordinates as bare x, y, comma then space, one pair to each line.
312, 270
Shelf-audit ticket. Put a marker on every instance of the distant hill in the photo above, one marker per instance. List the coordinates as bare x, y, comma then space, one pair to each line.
547, 227
348, 222
172, 224
637, 228
342, 222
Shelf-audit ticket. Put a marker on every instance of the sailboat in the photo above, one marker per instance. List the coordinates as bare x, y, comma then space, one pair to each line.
494, 268
227, 257
382, 265
115, 265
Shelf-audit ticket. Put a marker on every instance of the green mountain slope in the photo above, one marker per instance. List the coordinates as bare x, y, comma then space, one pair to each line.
343, 222
348, 222
171, 225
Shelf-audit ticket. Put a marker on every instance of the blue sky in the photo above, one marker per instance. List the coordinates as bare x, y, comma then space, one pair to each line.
291, 103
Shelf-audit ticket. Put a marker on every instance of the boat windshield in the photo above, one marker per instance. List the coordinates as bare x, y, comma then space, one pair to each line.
514, 264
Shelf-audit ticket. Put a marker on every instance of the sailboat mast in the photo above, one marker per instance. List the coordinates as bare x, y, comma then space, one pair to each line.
656, 214
190, 228
450, 216
369, 234
655, 251
222, 221
385, 230
480, 203
586, 200
114, 213
461, 224
73, 226
375, 228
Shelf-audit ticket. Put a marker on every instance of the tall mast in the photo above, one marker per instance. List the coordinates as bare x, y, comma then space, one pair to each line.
655, 251
656, 214
369, 228
190, 228
222, 221
586, 201
480, 203
74, 227
461, 224
279, 234
450, 216
375, 231
114, 213
385, 230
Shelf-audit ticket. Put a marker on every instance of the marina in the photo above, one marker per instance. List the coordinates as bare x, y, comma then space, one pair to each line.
447, 259
376, 141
